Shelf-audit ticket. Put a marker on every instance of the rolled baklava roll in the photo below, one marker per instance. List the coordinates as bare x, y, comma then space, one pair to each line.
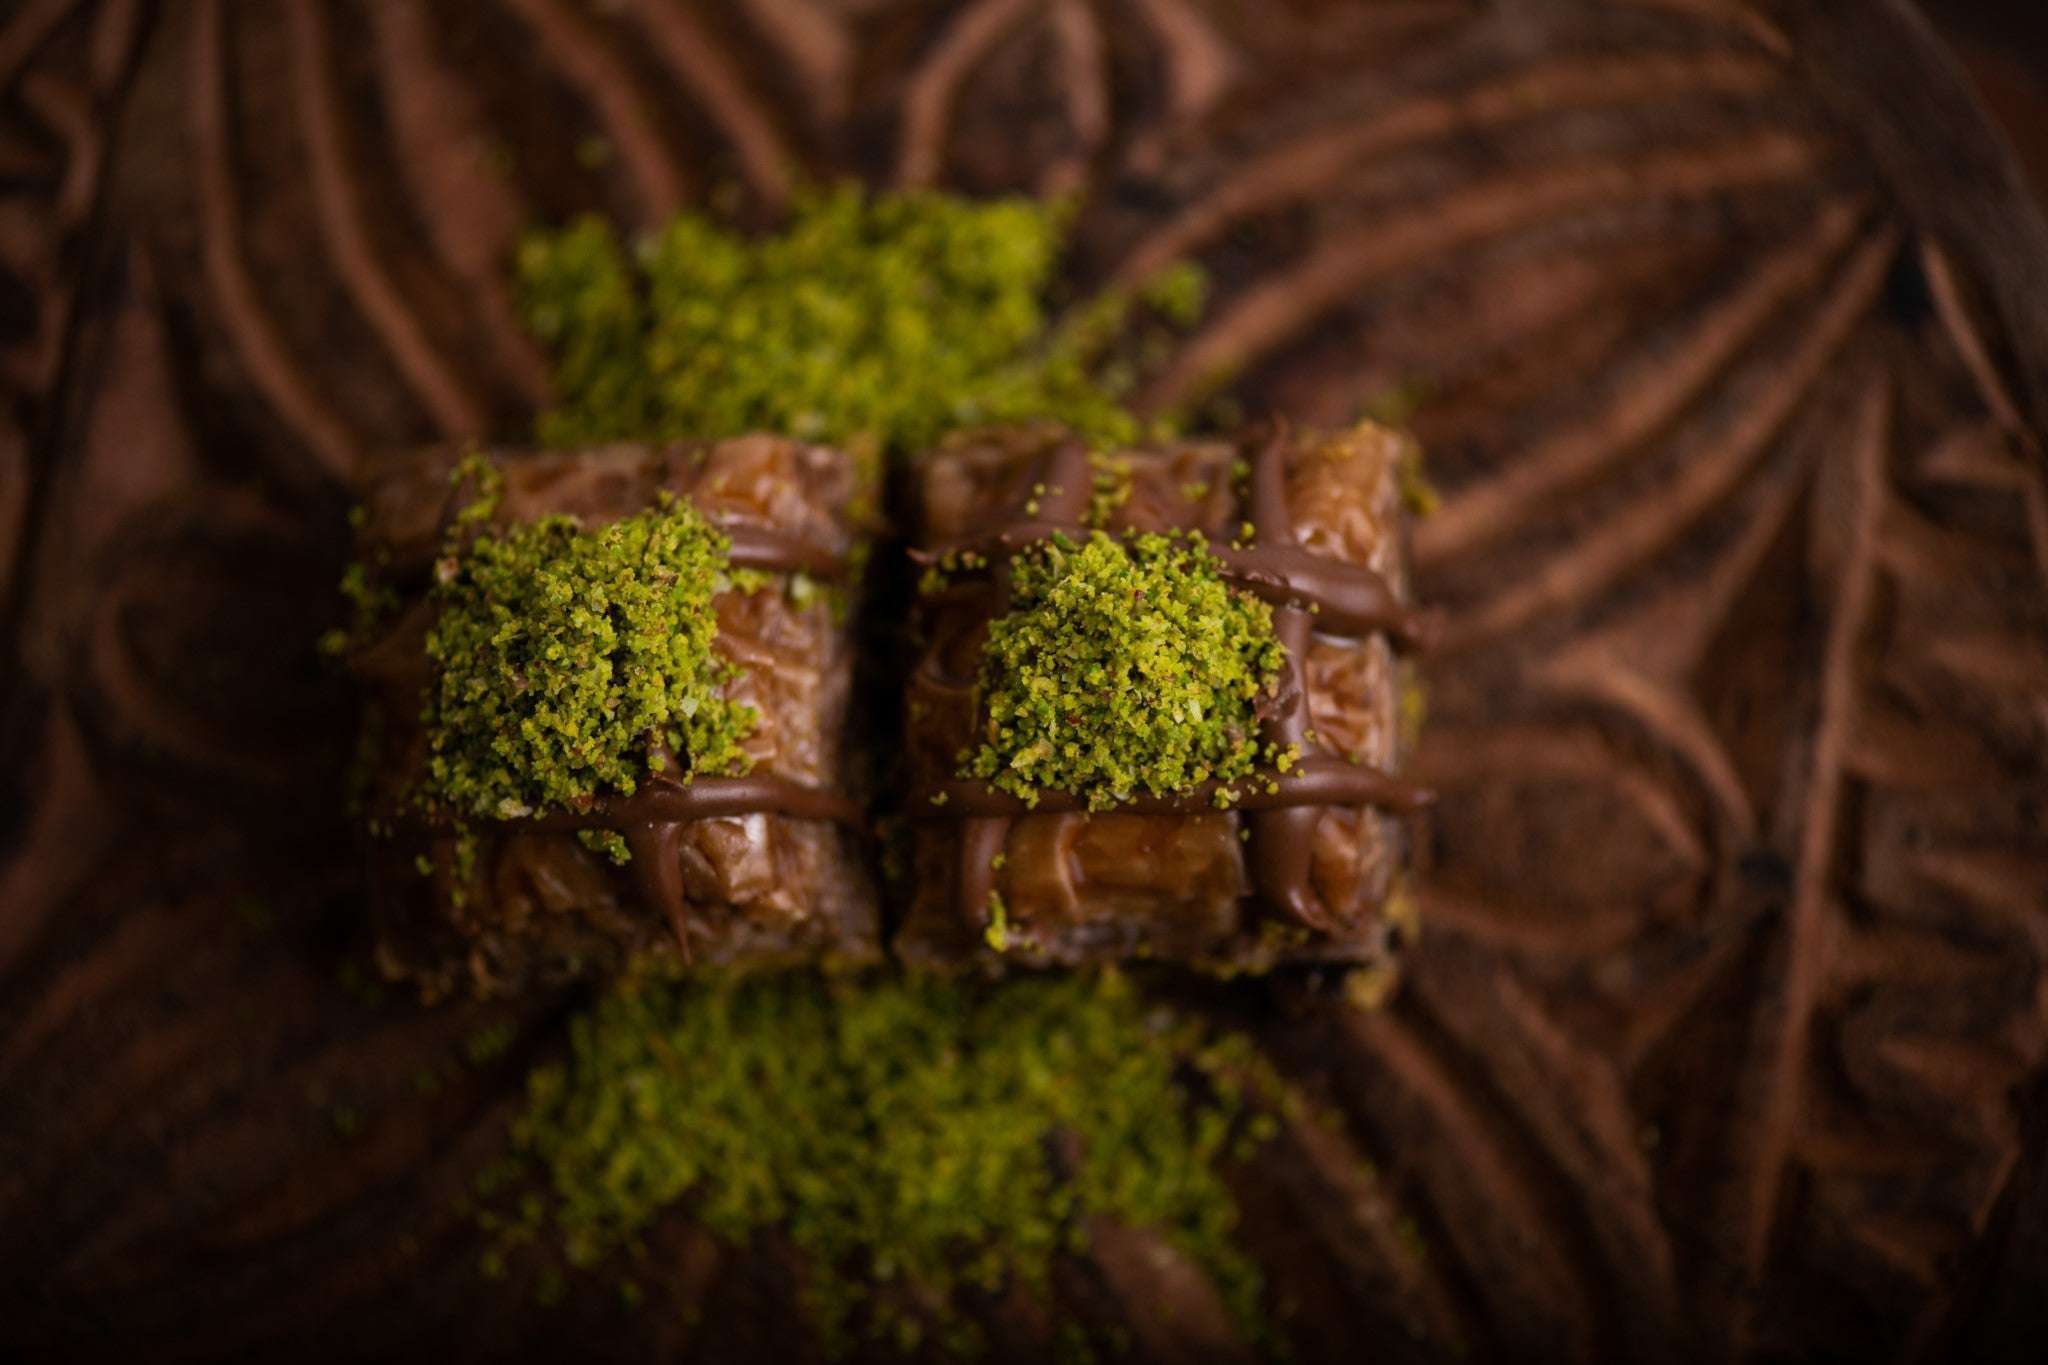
1156, 709
609, 709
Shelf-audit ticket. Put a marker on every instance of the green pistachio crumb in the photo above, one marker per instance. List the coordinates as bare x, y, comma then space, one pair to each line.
608, 842
897, 1130
1397, 404
1178, 293
370, 603
465, 855
1111, 488
486, 483
998, 932
1368, 988
889, 318
1123, 666
566, 659
1413, 705
1418, 494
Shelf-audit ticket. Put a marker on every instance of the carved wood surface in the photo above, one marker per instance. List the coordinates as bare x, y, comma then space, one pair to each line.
1729, 1024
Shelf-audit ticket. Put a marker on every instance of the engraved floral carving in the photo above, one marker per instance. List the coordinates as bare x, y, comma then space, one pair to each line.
1736, 905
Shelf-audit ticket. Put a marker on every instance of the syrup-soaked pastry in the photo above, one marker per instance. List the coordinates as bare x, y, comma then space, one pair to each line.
1304, 865
764, 866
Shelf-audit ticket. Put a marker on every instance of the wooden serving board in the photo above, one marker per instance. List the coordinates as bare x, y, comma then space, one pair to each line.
1728, 323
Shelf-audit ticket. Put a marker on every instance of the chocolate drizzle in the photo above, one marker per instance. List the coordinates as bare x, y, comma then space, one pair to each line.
651, 821
1344, 598
1308, 592
1281, 837
703, 798
982, 840
658, 868
1317, 781
1067, 483
756, 547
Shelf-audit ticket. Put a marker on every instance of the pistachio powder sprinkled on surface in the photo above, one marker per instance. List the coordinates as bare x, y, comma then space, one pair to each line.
877, 320
1123, 666
915, 1136
570, 662
905, 1132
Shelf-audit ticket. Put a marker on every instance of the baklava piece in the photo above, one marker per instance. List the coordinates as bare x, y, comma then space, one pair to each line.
608, 712
1156, 709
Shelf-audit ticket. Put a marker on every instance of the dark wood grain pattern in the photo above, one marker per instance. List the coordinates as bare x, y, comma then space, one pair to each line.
1728, 1031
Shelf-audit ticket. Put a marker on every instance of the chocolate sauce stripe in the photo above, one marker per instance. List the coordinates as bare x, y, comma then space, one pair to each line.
753, 547
1344, 598
756, 547
1280, 837
703, 798
1319, 781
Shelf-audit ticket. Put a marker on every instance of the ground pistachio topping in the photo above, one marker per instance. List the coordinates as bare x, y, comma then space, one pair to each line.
570, 662
1110, 487
914, 1136
998, 934
1123, 666
879, 320
917, 1139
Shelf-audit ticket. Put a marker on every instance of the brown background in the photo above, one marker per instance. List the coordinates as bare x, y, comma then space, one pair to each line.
2004, 46
1729, 1032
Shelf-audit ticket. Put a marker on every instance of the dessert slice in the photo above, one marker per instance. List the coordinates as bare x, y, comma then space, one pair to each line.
1157, 707
609, 697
